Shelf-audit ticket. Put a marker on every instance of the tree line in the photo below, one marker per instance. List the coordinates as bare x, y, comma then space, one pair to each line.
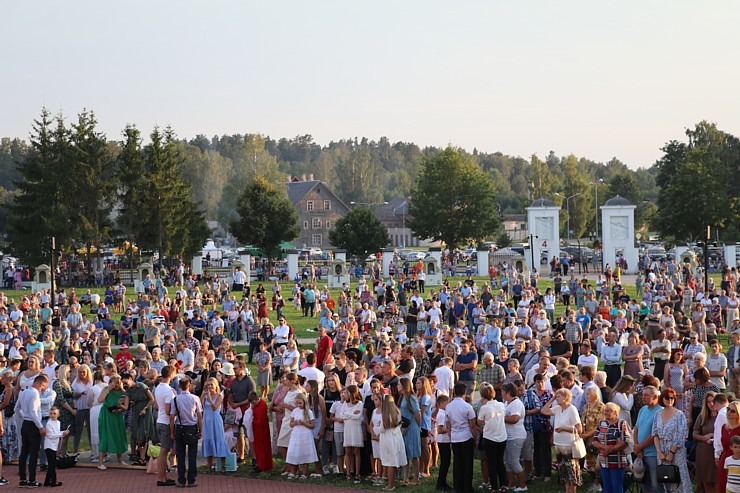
73, 182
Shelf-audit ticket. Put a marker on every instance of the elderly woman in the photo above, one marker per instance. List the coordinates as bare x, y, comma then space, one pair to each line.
593, 413
703, 435
567, 425
611, 440
669, 432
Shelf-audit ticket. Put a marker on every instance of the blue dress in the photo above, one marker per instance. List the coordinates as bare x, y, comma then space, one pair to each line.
412, 434
214, 443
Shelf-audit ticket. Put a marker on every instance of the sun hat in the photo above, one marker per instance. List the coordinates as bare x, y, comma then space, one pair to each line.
228, 369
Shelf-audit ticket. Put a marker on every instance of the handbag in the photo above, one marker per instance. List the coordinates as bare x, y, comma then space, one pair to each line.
578, 450
187, 433
668, 473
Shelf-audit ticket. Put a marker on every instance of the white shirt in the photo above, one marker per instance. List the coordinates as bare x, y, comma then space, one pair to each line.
567, 419
239, 277
163, 394
591, 360
718, 424
187, 359
435, 315
459, 413
53, 434
313, 373
442, 421
445, 380
492, 414
516, 430
717, 363
282, 332
50, 371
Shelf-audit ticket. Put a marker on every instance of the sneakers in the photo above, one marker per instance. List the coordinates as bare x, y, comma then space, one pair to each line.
23, 483
3, 481
326, 469
519, 488
33, 484
335, 469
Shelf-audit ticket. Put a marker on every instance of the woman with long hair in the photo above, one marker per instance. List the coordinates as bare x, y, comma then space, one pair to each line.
332, 449
95, 408
491, 420
318, 408
424, 395
65, 403
81, 388
701, 388
705, 468
294, 391
411, 421
392, 449
351, 416
214, 441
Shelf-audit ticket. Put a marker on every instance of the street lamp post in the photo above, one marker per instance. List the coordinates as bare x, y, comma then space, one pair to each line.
596, 210
567, 208
531, 249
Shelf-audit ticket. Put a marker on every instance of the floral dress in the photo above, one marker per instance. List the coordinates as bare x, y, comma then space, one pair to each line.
33, 321
64, 396
592, 416
673, 434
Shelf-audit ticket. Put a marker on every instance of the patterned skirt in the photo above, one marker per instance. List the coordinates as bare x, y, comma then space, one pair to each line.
569, 470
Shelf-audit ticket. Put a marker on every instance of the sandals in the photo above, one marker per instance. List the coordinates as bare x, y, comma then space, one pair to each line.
290, 477
302, 477
315, 476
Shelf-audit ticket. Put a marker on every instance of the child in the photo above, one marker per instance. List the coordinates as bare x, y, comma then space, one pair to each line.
277, 362
51, 443
392, 449
351, 416
334, 413
301, 448
443, 442
732, 464
376, 422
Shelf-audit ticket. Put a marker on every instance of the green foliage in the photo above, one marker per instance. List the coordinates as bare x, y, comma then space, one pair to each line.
581, 206
454, 201
692, 177
359, 232
266, 217
503, 240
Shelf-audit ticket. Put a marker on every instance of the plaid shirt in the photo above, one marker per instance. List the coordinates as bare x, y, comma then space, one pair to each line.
611, 434
532, 401
493, 374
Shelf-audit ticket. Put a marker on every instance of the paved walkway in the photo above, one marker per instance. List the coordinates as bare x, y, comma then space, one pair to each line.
90, 479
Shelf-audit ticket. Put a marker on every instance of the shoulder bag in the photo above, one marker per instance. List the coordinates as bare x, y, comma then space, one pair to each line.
187, 433
668, 473
578, 448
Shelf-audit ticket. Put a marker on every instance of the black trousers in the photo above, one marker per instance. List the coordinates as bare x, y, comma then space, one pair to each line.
542, 453
30, 446
496, 469
462, 468
445, 459
659, 368
613, 374
51, 463
189, 468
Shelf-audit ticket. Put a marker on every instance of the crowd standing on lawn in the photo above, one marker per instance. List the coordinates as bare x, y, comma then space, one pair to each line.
388, 392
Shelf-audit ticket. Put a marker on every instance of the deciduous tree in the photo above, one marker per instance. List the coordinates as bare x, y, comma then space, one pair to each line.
359, 232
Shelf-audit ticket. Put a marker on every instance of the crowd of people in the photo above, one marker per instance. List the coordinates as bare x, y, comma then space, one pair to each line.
403, 380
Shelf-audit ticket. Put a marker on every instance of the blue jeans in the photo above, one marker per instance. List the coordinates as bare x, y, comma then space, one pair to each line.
612, 479
650, 482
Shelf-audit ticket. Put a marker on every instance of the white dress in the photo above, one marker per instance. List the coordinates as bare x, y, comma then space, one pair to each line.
95, 413
352, 416
377, 424
285, 429
301, 449
392, 449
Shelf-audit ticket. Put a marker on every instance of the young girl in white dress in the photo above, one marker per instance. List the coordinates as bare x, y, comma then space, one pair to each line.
392, 449
301, 449
351, 416
376, 425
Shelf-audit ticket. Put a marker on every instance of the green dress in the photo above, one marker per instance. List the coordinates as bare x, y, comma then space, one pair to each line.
111, 427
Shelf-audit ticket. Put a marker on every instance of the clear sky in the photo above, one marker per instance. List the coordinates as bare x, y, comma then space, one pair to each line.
597, 79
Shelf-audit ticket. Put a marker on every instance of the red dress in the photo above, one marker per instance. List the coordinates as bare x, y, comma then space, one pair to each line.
727, 435
262, 440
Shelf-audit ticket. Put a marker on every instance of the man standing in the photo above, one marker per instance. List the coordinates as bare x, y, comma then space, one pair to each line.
661, 351
643, 436
29, 403
461, 417
241, 387
239, 279
611, 355
310, 372
189, 429
163, 394
466, 365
